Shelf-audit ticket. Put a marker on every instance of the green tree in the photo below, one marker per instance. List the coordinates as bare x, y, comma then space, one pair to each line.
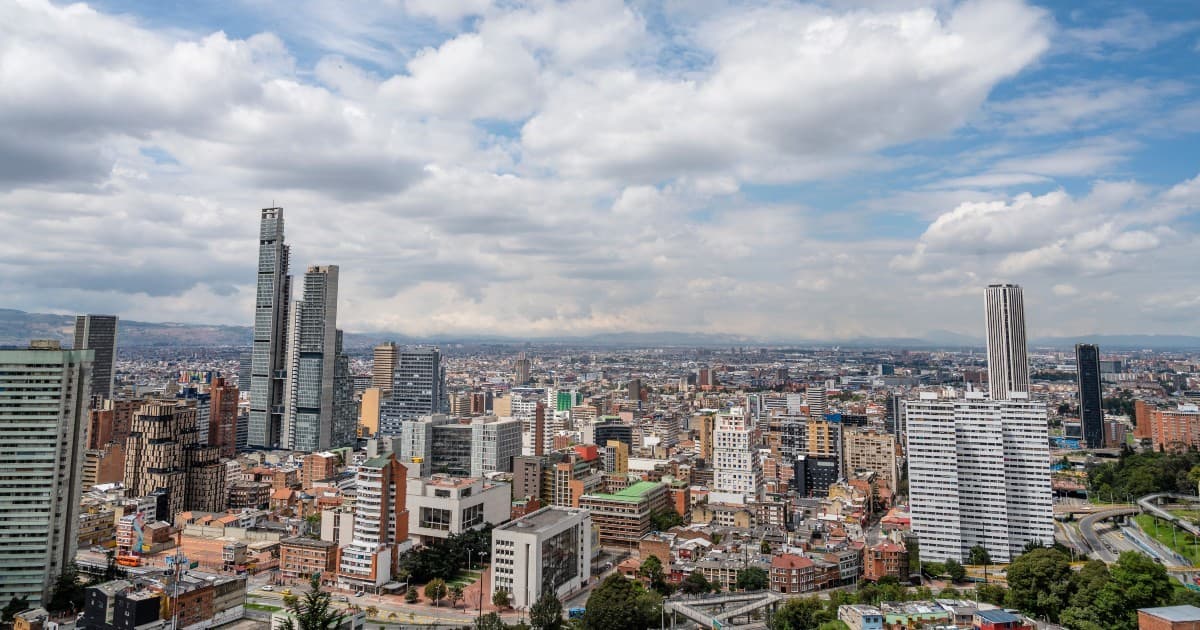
914, 555
652, 570
456, 595
435, 590
833, 625
1134, 582
313, 611
618, 604
751, 579
695, 584
979, 555
14, 606
665, 518
764, 547
411, 596
954, 569
490, 621
1039, 583
547, 611
991, 593
500, 599
801, 613
67, 594
372, 612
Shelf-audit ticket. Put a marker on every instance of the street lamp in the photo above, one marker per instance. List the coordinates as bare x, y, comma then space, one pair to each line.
481, 554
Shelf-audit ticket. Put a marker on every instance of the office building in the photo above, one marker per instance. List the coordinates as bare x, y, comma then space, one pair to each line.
320, 412
548, 551
301, 558
1091, 401
441, 505
380, 525
1008, 363
269, 354
522, 368
42, 424
813, 474
868, 450
623, 517
368, 411
417, 389
611, 429
98, 333
223, 417
737, 471
1168, 429
495, 442
383, 370
164, 452
816, 399
978, 474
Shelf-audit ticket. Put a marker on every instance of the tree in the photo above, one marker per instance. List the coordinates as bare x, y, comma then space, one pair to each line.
619, 603
752, 579
979, 555
411, 595
313, 611
372, 612
500, 598
67, 594
1134, 582
914, 555
490, 621
435, 590
665, 518
833, 625
456, 595
546, 612
1039, 583
289, 600
652, 570
764, 547
801, 613
954, 569
14, 606
991, 593
695, 584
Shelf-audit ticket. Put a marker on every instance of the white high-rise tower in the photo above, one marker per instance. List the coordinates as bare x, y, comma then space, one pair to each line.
1008, 364
737, 471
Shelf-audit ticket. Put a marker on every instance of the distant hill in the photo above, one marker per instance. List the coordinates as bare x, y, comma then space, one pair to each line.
18, 327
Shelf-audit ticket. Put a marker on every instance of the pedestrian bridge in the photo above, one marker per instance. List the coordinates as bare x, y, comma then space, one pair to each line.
725, 610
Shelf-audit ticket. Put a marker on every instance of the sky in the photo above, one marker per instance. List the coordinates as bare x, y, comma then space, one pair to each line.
779, 170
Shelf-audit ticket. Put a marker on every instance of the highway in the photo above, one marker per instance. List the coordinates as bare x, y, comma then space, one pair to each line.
1087, 528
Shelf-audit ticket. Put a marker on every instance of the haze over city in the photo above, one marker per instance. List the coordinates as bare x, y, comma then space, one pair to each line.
772, 170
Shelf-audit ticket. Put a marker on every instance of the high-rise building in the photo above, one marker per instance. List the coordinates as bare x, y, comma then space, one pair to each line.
223, 417
978, 475
98, 333
380, 525
737, 471
869, 450
368, 411
522, 367
383, 370
320, 410
1008, 363
417, 389
163, 452
494, 444
1091, 402
815, 398
42, 442
269, 354
1168, 429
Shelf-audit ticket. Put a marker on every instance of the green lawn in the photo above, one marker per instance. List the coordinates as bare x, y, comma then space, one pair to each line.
464, 578
263, 607
1187, 515
1171, 537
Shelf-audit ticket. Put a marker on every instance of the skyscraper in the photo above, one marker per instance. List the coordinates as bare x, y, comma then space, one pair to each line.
319, 413
42, 425
269, 354
737, 472
380, 525
98, 333
1091, 409
1008, 363
163, 451
384, 368
417, 389
522, 368
223, 417
978, 475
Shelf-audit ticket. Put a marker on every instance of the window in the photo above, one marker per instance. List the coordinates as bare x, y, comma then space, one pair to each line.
472, 516
435, 518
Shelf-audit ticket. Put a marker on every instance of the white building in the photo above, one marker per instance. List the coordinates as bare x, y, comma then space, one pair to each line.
548, 550
494, 444
380, 525
737, 471
979, 474
441, 505
1008, 363
43, 422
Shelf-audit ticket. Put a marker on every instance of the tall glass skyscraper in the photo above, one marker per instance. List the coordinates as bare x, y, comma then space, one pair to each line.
1008, 363
269, 354
1091, 410
98, 333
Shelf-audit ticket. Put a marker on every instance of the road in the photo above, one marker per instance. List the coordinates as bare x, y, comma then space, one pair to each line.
1087, 528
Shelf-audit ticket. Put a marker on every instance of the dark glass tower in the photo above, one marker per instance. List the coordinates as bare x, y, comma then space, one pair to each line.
1091, 410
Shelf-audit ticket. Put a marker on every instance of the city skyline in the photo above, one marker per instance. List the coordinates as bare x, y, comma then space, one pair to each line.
701, 194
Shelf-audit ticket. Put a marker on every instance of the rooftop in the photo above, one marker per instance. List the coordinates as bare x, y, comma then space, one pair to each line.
1174, 613
542, 520
632, 494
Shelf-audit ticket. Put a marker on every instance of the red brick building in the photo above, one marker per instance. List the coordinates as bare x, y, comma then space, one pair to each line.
885, 558
791, 573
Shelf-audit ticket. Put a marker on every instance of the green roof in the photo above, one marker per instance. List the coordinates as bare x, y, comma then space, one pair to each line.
632, 494
377, 462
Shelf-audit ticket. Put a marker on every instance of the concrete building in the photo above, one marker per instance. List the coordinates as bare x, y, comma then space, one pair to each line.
383, 370
303, 557
867, 450
737, 471
549, 550
320, 412
318, 467
223, 417
98, 333
163, 451
43, 416
441, 505
1168, 429
623, 517
861, 617
978, 474
368, 411
1008, 363
1169, 618
417, 389
522, 368
380, 525
269, 355
494, 444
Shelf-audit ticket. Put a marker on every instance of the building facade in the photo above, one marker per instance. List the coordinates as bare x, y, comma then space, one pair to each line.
98, 333
623, 517
440, 506
43, 416
1008, 363
163, 451
383, 370
223, 417
380, 525
268, 358
549, 550
737, 471
417, 389
1091, 401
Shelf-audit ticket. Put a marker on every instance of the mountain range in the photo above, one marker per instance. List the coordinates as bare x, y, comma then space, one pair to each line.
18, 327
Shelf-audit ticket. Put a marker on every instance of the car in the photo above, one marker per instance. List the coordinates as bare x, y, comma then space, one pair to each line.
286, 591
268, 588
358, 593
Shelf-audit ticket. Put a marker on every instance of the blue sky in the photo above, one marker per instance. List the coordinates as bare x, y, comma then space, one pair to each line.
780, 170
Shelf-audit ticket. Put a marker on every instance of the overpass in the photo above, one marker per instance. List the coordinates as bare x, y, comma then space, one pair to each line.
1087, 527
1150, 504
700, 608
